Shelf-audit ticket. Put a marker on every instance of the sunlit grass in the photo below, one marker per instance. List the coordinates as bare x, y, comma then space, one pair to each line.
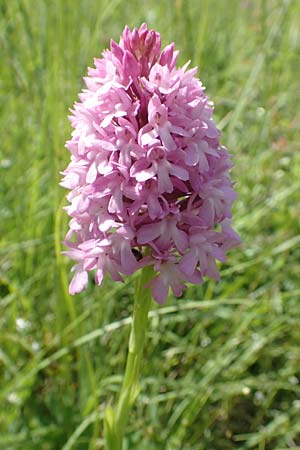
222, 364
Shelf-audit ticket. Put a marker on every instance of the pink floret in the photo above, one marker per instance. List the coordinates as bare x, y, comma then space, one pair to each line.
148, 175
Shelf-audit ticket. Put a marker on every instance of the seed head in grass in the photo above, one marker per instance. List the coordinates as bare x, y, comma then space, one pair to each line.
149, 181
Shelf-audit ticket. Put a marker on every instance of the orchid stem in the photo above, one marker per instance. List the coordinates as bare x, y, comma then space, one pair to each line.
116, 419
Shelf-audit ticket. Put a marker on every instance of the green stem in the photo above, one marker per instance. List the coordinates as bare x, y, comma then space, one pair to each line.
116, 420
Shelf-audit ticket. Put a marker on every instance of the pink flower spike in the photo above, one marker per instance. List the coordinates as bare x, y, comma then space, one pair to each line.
148, 174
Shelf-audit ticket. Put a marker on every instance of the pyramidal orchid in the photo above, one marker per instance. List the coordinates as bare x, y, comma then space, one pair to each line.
148, 175
149, 183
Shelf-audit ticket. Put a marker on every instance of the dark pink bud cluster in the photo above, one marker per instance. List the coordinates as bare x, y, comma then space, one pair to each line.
148, 177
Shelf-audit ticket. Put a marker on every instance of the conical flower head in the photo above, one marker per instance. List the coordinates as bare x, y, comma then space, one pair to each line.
149, 181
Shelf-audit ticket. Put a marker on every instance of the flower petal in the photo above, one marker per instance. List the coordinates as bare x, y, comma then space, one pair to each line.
79, 280
148, 233
160, 289
189, 262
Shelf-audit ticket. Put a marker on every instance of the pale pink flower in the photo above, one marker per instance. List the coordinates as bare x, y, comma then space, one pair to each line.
149, 181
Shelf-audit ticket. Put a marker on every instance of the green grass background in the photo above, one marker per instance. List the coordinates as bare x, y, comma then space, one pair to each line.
222, 364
